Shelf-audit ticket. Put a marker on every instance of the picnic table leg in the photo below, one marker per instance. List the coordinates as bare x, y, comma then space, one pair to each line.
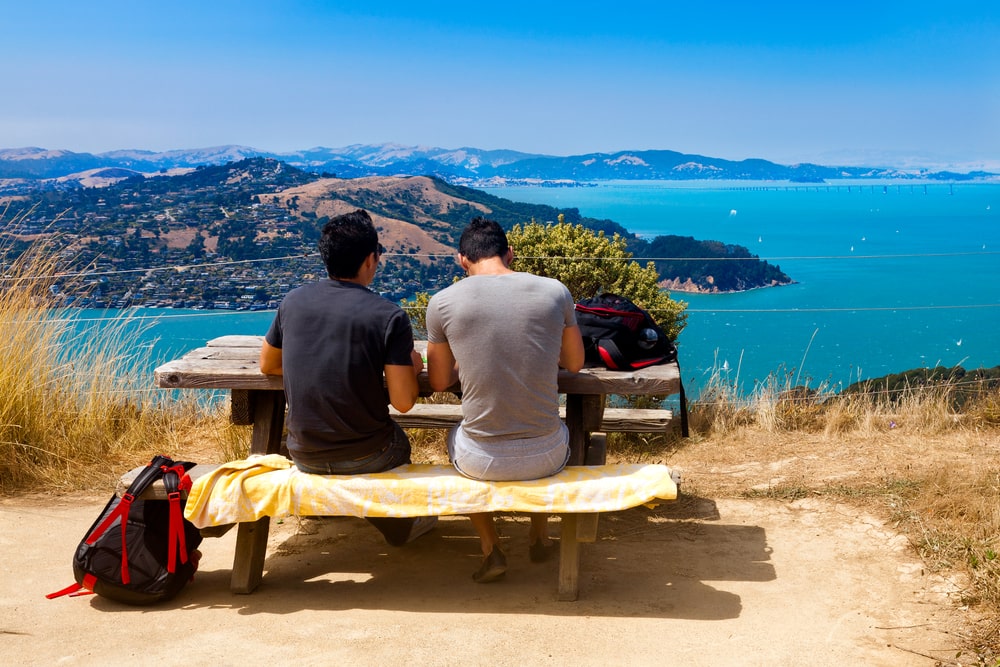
569, 559
268, 411
584, 413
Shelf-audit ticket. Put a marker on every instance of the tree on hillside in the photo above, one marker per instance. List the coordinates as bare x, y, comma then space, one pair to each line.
589, 262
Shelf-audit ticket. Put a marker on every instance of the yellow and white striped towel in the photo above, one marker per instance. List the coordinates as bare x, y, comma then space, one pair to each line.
271, 485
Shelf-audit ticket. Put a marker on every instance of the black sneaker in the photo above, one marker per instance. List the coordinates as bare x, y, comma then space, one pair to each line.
494, 567
422, 526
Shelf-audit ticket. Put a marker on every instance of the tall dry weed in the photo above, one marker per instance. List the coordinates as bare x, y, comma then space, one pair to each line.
72, 409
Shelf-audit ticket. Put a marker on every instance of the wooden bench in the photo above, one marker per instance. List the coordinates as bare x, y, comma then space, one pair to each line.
576, 527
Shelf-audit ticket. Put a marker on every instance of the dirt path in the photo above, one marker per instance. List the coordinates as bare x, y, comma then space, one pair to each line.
702, 582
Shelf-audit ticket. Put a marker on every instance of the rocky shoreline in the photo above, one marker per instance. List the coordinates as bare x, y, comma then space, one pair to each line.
688, 286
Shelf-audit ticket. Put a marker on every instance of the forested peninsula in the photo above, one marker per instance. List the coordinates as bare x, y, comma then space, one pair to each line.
240, 235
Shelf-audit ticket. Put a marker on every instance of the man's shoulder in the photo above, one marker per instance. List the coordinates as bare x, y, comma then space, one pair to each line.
321, 291
553, 285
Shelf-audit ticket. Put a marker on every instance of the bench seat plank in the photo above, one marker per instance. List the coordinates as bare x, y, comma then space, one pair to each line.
615, 420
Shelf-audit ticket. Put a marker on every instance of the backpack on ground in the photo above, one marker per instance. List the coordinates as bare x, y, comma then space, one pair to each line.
139, 551
620, 334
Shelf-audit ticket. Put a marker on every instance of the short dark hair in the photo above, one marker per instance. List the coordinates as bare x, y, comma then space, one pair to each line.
482, 239
345, 243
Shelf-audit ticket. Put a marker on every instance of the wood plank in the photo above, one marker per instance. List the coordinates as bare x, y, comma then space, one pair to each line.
662, 379
199, 368
597, 451
181, 374
569, 559
617, 420
235, 340
268, 410
586, 527
248, 563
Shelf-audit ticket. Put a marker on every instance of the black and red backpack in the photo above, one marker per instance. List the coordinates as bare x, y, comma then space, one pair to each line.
620, 334
140, 550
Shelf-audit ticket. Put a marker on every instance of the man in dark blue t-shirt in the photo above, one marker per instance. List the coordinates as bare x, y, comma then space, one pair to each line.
345, 353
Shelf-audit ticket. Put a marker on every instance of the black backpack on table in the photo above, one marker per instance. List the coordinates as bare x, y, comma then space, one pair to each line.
620, 334
139, 551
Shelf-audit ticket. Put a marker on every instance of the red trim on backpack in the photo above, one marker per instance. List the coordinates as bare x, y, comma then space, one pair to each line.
607, 359
643, 363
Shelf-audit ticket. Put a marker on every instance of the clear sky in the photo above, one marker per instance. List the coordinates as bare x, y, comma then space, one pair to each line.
869, 81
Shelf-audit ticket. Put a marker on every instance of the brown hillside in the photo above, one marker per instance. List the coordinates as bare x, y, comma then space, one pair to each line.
333, 196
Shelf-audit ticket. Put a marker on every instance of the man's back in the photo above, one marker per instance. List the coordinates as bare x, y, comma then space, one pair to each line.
336, 338
505, 331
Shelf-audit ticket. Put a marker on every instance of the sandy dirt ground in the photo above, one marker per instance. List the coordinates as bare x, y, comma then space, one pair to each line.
697, 582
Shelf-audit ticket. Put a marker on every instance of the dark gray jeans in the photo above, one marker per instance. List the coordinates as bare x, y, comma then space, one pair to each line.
396, 531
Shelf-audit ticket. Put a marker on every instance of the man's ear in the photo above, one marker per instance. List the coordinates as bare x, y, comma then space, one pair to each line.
463, 261
509, 257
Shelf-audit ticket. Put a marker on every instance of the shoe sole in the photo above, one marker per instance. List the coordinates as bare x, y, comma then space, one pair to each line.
493, 574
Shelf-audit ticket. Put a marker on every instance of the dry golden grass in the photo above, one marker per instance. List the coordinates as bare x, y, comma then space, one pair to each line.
72, 412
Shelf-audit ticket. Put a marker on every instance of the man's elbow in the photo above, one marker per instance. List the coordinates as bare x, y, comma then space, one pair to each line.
404, 404
439, 384
270, 368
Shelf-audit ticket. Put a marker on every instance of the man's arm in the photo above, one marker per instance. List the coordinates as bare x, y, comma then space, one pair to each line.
442, 371
270, 359
571, 352
402, 384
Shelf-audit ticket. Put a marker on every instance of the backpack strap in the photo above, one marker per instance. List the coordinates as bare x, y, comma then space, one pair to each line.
143, 480
76, 590
684, 403
176, 541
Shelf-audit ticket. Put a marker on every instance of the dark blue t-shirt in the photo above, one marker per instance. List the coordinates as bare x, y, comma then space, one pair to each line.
335, 339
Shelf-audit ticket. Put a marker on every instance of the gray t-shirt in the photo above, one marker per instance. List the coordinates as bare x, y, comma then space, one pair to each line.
506, 333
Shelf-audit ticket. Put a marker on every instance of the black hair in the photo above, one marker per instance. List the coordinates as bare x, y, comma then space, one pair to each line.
345, 243
482, 239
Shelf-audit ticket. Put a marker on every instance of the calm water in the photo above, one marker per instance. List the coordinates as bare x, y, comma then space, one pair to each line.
889, 277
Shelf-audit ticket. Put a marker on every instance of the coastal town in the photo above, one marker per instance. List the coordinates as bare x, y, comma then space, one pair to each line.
196, 241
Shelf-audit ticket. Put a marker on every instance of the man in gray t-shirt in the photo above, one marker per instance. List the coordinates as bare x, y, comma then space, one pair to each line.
504, 335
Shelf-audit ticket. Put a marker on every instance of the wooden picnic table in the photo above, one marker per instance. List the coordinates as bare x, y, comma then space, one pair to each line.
231, 363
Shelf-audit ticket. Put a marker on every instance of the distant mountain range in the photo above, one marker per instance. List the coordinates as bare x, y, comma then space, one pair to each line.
466, 166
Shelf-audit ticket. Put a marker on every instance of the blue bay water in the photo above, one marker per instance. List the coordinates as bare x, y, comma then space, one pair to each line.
889, 277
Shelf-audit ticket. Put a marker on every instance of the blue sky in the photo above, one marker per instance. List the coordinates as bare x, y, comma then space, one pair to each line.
837, 83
